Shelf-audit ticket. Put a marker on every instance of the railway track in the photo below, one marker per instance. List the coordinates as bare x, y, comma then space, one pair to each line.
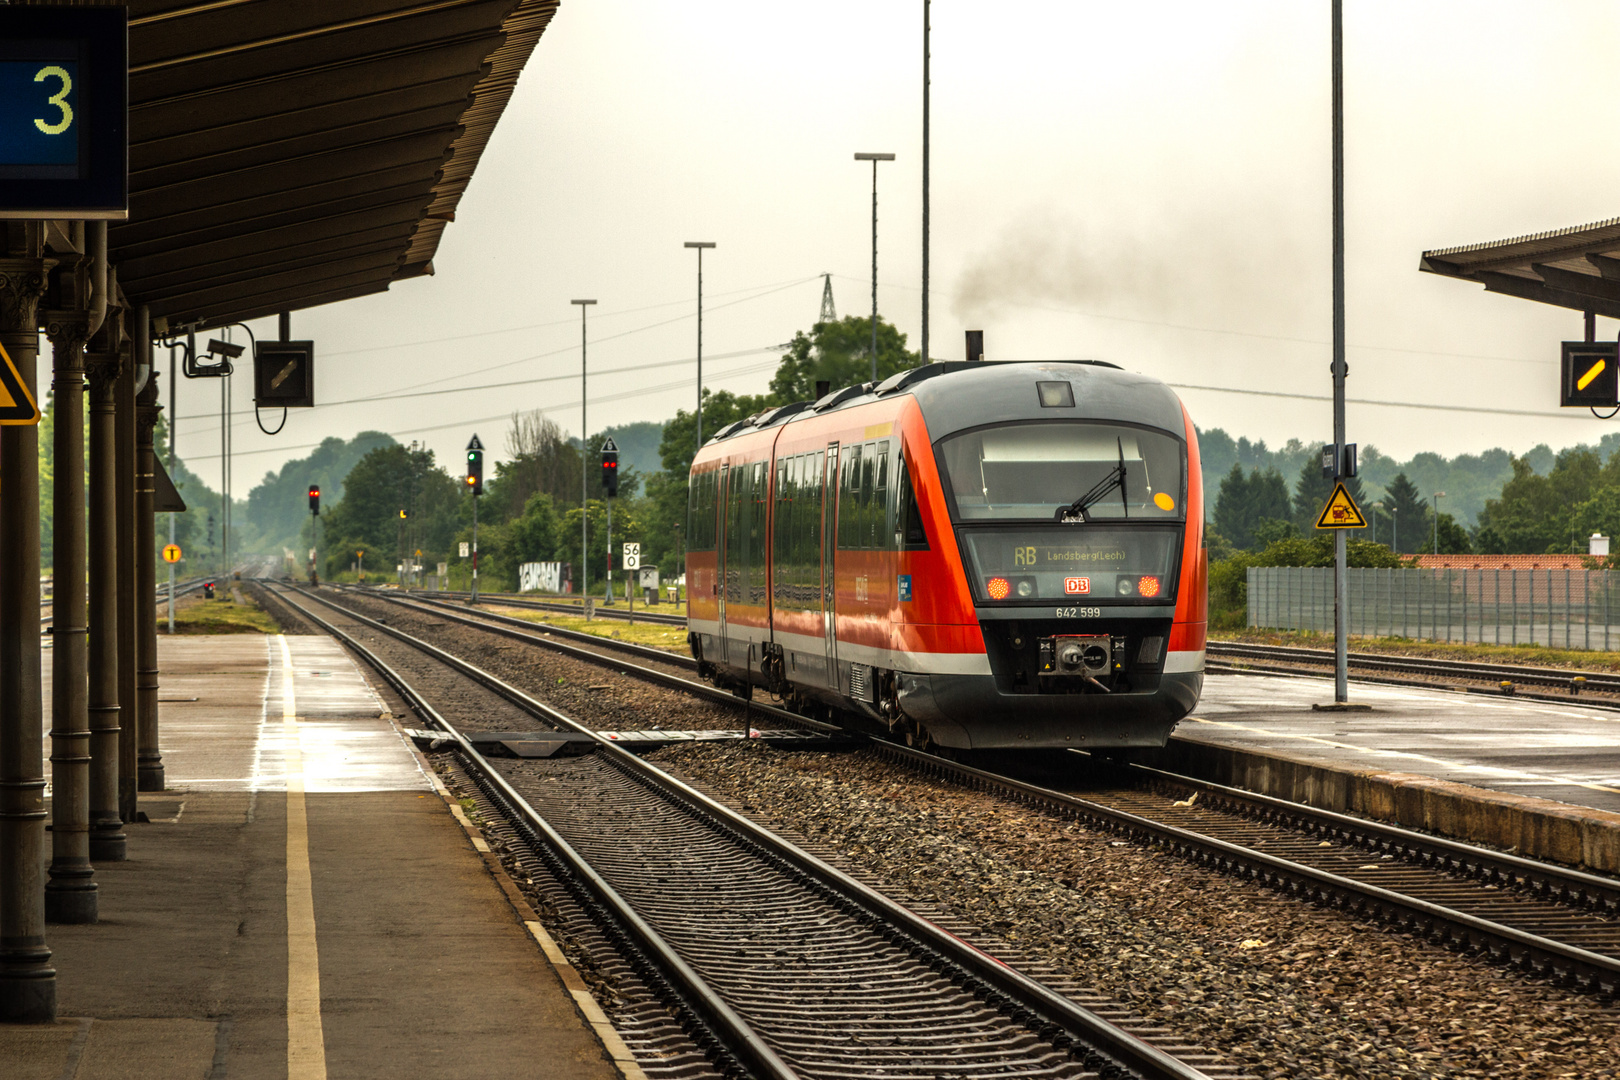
786, 966
47, 608
1534, 916
1232, 657
564, 607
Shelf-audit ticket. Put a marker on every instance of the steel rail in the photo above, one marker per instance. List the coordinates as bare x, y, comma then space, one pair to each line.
1574, 888
567, 608
1594, 969
1607, 682
1117, 1048
734, 1033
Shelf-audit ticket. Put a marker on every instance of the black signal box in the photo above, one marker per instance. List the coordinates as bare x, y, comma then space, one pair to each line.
1590, 375
284, 374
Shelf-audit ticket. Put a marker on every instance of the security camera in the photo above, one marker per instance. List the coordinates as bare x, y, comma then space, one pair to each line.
225, 349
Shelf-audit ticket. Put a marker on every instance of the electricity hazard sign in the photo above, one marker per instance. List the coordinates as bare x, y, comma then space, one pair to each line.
1341, 512
171, 553
16, 403
1591, 377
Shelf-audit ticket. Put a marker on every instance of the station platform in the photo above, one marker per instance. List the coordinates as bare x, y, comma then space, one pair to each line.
1539, 777
303, 901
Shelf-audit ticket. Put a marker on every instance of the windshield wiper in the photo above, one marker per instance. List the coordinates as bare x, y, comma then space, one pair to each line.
1115, 479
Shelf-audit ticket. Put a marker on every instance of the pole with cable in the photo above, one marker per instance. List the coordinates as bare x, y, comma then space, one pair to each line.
926, 30
584, 471
1341, 592
174, 414
700, 245
874, 159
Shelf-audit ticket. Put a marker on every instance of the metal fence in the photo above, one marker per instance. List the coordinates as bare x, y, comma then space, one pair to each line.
1561, 608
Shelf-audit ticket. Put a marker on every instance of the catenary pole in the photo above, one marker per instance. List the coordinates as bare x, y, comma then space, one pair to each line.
174, 411
584, 472
926, 28
1341, 599
874, 159
699, 245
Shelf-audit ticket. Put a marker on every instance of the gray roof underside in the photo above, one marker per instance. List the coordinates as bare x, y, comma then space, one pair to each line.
1576, 268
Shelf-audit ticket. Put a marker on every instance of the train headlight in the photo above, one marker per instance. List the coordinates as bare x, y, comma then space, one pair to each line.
998, 588
1148, 586
1026, 587
1125, 587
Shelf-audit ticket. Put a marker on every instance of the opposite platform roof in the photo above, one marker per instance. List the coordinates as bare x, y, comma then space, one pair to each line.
1575, 268
289, 153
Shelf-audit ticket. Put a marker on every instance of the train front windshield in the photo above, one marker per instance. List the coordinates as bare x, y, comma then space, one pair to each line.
1022, 471
1012, 484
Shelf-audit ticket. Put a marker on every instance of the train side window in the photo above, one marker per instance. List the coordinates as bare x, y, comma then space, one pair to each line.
782, 530
909, 529
882, 513
849, 500
700, 512
736, 533
757, 506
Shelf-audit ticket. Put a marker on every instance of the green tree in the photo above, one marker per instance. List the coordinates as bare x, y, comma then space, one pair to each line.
384, 482
1409, 515
1541, 514
1246, 500
275, 512
839, 353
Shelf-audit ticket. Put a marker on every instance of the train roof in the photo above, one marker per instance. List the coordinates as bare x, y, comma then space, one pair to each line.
962, 394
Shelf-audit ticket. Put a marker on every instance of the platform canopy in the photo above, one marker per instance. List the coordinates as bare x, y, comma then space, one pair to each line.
1575, 268
285, 154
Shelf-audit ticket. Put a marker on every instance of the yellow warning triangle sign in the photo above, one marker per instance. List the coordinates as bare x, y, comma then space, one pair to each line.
1341, 512
16, 404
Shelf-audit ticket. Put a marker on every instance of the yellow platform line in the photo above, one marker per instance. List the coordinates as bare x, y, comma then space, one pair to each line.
306, 1042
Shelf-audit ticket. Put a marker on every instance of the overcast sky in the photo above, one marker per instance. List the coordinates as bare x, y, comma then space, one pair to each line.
1141, 183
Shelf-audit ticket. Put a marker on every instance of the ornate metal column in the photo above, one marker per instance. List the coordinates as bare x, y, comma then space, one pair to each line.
107, 840
70, 891
124, 528
27, 979
146, 661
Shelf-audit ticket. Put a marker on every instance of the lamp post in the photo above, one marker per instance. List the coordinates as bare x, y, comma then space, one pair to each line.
874, 159
1437, 497
700, 245
584, 470
1394, 528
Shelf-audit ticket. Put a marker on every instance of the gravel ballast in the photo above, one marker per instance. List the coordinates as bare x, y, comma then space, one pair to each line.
1290, 989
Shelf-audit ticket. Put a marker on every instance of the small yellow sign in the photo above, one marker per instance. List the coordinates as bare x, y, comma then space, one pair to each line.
171, 553
1341, 512
16, 404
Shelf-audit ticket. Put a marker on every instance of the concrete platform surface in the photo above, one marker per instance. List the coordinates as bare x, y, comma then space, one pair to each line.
1552, 751
302, 903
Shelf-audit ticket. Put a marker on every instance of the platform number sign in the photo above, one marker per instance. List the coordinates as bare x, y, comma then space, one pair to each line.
632, 556
64, 129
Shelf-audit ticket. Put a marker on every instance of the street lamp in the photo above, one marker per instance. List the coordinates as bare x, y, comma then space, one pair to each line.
584, 469
874, 159
1394, 527
700, 245
1437, 497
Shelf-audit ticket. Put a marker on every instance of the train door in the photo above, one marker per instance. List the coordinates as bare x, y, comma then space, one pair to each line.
829, 545
724, 522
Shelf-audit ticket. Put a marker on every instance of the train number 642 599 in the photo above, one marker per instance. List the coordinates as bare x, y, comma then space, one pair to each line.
1079, 613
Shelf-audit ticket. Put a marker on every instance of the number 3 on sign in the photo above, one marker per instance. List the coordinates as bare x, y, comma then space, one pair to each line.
59, 99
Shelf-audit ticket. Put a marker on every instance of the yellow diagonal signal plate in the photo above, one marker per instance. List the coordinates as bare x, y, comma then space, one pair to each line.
16, 403
1591, 373
1341, 512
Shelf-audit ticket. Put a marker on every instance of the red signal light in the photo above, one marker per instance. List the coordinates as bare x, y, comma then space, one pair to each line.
1148, 586
999, 588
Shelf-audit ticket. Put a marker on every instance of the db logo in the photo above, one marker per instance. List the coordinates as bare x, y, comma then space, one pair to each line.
1074, 585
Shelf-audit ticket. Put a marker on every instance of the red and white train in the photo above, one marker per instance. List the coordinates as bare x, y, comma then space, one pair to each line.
974, 555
